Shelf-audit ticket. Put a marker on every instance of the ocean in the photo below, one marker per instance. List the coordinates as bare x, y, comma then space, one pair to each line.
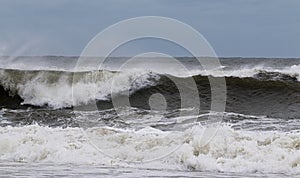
58, 121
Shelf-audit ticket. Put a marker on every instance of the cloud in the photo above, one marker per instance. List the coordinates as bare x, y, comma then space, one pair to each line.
233, 27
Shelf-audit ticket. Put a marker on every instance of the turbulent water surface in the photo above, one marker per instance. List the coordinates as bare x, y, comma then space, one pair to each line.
59, 119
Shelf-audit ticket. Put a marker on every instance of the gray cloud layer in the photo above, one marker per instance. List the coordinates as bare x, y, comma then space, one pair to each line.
233, 27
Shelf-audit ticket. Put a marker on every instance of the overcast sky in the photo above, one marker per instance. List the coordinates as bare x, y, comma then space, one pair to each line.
259, 28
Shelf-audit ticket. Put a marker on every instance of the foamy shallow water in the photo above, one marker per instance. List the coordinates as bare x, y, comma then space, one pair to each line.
71, 170
35, 150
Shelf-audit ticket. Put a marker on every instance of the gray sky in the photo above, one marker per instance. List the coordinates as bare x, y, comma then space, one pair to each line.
260, 28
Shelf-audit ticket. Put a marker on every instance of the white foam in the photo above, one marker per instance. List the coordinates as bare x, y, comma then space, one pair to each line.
250, 71
294, 70
229, 150
38, 89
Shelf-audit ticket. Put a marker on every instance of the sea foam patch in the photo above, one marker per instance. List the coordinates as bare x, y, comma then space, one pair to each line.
230, 150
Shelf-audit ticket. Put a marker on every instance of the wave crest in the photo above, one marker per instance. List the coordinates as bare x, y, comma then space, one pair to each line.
59, 89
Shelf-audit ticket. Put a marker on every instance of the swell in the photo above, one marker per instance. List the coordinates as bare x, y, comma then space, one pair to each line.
266, 93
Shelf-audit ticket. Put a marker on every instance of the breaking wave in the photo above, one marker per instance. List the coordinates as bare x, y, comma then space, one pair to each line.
59, 89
